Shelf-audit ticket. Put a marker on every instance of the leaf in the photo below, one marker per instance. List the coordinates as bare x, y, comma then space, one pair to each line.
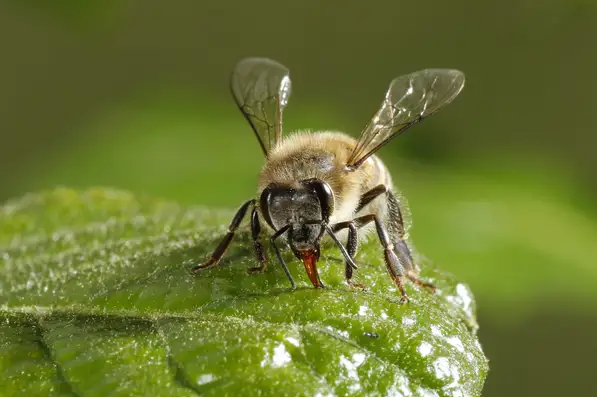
96, 299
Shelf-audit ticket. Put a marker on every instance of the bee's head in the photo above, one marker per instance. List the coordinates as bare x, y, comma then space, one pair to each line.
306, 208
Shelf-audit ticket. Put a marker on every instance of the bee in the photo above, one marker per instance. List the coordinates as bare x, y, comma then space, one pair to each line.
315, 184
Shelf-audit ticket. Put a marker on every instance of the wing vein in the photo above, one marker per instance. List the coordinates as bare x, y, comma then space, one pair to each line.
408, 100
261, 88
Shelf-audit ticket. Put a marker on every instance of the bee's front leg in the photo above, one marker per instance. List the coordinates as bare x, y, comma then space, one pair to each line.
272, 240
214, 260
351, 248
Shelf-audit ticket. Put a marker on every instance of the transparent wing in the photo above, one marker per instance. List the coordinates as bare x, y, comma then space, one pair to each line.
409, 99
261, 88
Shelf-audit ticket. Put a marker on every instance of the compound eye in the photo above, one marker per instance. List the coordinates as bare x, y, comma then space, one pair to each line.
264, 204
324, 194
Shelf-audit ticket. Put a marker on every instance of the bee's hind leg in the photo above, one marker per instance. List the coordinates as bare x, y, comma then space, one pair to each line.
259, 254
396, 226
405, 256
399, 260
393, 263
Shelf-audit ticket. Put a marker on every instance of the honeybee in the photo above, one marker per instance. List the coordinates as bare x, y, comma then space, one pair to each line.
319, 183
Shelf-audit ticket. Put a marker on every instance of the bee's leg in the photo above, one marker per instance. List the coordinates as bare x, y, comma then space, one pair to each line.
396, 226
370, 195
393, 263
349, 259
411, 272
351, 248
223, 246
255, 232
280, 259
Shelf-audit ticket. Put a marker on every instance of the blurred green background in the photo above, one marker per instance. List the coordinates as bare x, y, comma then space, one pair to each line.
501, 184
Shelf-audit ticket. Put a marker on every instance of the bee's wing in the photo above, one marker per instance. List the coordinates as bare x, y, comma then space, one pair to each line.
261, 88
409, 99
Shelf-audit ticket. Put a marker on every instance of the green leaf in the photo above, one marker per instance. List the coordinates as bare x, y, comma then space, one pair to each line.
96, 299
